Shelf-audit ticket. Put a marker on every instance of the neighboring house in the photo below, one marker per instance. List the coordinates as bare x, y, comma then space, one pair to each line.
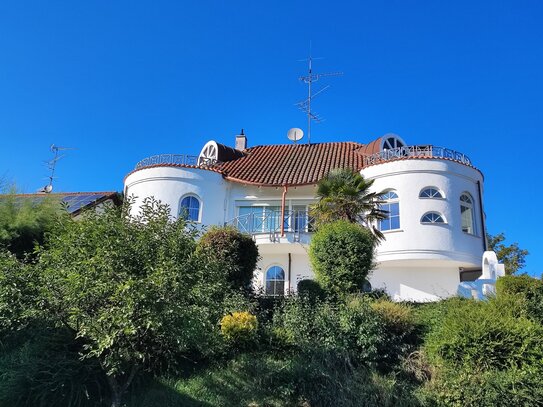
74, 202
435, 232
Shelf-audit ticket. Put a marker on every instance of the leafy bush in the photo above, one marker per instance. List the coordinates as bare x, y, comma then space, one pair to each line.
41, 366
399, 318
310, 289
239, 327
521, 284
481, 350
353, 329
341, 254
23, 224
236, 251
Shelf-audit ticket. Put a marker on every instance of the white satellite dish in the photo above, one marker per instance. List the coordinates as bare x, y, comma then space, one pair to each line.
295, 134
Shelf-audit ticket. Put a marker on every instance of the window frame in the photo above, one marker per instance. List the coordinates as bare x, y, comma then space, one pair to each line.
439, 191
275, 281
469, 205
388, 202
200, 205
433, 222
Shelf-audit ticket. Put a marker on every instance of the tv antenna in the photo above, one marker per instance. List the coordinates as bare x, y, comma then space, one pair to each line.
51, 165
305, 105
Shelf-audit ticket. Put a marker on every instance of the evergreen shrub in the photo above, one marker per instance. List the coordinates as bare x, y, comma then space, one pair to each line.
236, 252
341, 255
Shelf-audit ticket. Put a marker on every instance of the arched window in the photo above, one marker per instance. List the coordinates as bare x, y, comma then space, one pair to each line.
467, 214
189, 208
391, 141
432, 217
430, 192
392, 206
275, 281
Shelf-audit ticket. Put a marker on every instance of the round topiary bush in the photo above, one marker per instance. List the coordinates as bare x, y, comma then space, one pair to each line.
235, 250
341, 255
310, 289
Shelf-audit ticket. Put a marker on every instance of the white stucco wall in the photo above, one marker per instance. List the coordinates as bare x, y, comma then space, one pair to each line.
171, 184
417, 283
417, 241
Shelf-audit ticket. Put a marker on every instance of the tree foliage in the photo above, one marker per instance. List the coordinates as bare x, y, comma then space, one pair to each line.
237, 252
341, 255
133, 289
512, 256
24, 222
345, 195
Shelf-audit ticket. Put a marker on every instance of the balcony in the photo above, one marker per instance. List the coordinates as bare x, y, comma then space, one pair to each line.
174, 159
297, 226
427, 151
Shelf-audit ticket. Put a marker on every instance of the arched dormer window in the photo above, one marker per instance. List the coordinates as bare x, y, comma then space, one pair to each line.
275, 281
431, 192
189, 208
391, 141
432, 217
392, 206
467, 213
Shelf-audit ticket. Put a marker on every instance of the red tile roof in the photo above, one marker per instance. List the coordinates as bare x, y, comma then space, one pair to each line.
292, 164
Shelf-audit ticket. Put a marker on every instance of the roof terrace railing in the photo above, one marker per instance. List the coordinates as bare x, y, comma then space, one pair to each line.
173, 159
427, 151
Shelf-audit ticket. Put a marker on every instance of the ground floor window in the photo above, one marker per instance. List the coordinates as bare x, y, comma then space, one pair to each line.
275, 281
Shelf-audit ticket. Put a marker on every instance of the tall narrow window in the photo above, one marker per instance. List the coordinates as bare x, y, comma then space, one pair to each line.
466, 213
392, 206
189, 208
275, 281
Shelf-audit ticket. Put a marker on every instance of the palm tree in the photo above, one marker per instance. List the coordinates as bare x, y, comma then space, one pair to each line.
345, 195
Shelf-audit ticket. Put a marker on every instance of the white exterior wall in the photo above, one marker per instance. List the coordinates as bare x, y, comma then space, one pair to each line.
418, 262
171, 184
421, 261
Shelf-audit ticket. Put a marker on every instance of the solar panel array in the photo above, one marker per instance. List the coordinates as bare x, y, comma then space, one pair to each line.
73, 202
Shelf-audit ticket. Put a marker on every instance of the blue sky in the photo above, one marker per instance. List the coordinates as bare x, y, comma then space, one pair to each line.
122, 80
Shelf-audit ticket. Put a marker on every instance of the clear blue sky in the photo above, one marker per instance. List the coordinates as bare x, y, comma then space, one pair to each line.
122, 80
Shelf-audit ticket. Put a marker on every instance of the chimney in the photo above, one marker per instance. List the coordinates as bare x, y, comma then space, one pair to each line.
241, 141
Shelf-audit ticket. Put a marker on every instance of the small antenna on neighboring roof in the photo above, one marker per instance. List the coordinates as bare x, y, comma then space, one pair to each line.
51, 164
305, 105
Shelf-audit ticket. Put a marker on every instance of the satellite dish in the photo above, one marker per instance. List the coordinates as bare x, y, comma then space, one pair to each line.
295, 134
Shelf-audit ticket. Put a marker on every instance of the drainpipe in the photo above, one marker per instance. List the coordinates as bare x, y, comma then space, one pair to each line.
485, 243
288, 270
285, 188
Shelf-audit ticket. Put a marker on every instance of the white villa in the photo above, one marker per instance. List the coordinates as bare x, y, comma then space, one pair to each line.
435, 234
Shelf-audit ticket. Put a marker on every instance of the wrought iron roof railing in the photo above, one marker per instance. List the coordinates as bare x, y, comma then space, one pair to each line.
427, 151
173, 159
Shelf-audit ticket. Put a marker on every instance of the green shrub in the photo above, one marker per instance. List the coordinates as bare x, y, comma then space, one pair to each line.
486, 354
311, 289
399, 318
239, 327
522, 284
341, 255
353, 329
236, 251
484, 335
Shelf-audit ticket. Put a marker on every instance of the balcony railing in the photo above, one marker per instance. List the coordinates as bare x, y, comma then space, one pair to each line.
295, 223
173, 159
416, 151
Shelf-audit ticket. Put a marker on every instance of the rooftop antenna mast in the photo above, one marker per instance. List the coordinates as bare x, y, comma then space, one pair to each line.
305, 105
51, 165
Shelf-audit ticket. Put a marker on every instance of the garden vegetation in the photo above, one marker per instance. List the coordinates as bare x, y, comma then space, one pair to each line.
113, 310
